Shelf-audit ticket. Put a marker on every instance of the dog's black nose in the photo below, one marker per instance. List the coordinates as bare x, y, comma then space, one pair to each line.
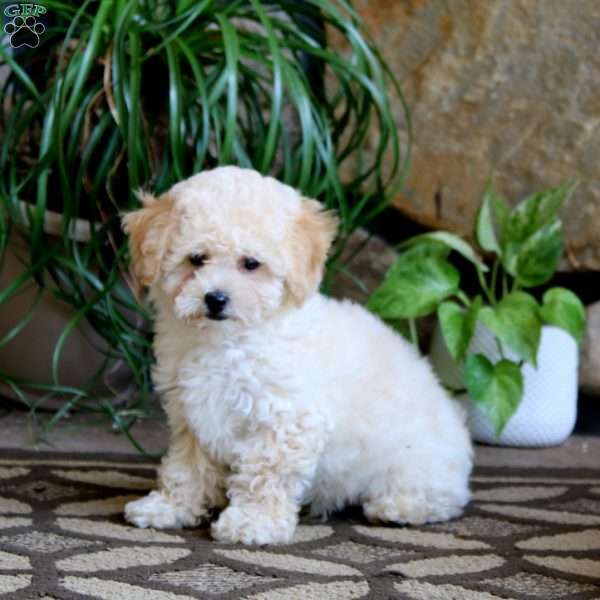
216, 301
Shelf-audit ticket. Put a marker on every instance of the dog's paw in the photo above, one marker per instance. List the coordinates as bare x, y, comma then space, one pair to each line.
412, 509
252, 526
155, 510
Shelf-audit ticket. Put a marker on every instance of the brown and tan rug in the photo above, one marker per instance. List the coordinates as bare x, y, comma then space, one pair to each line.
529, 534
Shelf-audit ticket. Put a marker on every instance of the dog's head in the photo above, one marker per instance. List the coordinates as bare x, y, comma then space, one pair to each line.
229, 244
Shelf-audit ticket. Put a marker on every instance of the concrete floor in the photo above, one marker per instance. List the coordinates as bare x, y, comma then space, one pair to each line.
78, 433
81, 434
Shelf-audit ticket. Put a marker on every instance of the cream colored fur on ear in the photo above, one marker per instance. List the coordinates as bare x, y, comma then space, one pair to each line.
149, 229
313, 233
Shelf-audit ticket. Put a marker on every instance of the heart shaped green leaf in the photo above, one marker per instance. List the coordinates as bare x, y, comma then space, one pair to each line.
413, 288
562, 308
533, 261
535, 212
458, 325
492, 205
451, 241
497, 389
424, 249
532, 241
516, 323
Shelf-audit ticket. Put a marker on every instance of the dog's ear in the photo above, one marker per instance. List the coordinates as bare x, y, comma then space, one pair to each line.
149, 229
312, 235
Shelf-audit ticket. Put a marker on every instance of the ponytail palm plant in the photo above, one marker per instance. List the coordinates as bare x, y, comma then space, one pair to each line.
142, 93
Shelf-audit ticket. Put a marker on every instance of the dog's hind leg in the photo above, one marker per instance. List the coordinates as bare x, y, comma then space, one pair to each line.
414, 507
416, 496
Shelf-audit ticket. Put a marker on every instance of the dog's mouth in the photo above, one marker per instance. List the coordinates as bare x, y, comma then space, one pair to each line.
216, 317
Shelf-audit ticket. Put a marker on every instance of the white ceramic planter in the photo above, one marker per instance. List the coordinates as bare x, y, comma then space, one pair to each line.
547, 413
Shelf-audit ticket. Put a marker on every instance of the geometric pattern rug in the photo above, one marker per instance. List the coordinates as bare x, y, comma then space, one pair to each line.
528, 535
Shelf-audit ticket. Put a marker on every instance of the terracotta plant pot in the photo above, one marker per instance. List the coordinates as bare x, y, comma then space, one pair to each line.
28, 356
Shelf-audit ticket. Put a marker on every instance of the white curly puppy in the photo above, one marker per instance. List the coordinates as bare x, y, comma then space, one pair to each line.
277, 396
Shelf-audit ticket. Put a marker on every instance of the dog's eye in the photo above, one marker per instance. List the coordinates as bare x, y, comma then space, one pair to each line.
249, 263
198, 259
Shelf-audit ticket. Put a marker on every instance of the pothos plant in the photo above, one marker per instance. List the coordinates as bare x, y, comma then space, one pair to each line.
525, 245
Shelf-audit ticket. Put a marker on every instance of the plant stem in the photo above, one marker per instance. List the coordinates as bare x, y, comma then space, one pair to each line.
499, 345
484, 287
463, 298
504, 284
494, 283
414, 335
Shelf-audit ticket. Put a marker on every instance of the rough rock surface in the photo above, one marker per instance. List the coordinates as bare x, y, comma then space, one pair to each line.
367, 268
507, 90
589, 372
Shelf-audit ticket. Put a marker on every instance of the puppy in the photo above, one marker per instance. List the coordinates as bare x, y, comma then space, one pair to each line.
277, 396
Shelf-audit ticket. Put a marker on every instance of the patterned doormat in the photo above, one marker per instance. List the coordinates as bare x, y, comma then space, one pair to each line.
529, 534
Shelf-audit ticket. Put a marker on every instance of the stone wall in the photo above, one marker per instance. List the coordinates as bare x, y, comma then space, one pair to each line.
500, 89
590, 356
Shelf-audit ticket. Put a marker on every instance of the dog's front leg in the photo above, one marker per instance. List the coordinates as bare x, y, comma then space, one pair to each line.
273, 468
189, 485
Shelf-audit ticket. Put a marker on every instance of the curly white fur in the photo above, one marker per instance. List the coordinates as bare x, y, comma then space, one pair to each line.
294, 398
